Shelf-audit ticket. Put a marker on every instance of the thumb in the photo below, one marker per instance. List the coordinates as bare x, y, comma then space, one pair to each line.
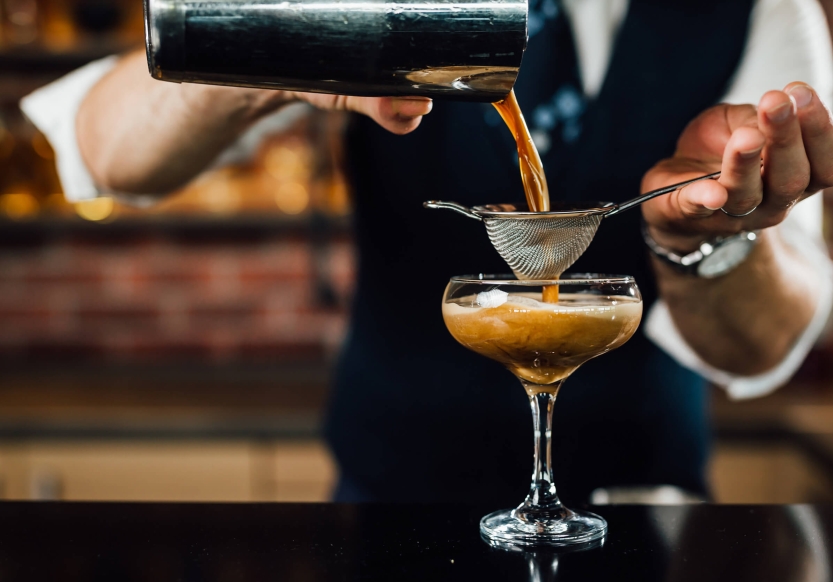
698, 200
399, 115
695, 201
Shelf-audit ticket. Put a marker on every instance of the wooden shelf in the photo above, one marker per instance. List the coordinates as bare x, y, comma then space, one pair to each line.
38, 60
238, 226
25, 68
797, 416
62, 400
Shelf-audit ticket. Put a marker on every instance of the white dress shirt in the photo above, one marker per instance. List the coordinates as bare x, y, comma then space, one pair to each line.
788, 41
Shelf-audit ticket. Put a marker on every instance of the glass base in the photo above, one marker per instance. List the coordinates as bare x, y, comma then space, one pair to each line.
567, 529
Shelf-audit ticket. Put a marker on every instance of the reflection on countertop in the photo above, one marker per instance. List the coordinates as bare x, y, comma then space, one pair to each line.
322, 543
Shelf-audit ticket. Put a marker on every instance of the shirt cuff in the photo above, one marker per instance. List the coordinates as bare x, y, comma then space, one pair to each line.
53, 109
660, 329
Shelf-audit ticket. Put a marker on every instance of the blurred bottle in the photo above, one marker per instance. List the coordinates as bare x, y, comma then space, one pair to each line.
28, 180
329, 189
58, 27
303, 166
98, 17
19, 22
828, 218
337, 192
115, 21
67, 25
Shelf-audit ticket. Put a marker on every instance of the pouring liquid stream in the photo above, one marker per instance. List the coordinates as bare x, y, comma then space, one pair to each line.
532, 169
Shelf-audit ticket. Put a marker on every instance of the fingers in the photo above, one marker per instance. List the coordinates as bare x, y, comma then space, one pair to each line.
699, 200
741, 171
817, 133
399, 115
786, 167
791, 132
680, 219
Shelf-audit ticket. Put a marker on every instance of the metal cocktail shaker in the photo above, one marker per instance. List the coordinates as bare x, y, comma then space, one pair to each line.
457, 49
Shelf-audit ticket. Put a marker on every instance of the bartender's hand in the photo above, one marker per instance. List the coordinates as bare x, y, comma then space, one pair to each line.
771, 157
399, 115
790, 131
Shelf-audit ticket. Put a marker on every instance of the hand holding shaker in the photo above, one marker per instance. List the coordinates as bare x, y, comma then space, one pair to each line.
466, 50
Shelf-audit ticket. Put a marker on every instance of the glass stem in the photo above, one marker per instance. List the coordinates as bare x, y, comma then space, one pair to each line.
542, 501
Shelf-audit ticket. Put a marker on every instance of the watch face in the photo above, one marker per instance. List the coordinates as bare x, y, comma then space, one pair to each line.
725, 257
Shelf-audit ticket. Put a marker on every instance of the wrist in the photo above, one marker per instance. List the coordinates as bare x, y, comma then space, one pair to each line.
679, 243
244, 104
711, 259
264, 101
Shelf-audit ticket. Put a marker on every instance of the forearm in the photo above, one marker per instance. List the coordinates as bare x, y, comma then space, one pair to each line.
747, 321
140, 135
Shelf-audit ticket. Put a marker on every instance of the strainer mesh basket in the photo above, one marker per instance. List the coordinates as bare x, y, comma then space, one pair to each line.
541, 247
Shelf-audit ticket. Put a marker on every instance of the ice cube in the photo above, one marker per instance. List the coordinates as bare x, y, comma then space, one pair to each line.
526, 302
493, 298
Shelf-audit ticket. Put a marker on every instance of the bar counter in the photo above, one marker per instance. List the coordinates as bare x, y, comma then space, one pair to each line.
162, 542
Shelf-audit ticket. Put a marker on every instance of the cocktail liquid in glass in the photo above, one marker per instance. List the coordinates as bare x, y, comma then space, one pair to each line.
542, 342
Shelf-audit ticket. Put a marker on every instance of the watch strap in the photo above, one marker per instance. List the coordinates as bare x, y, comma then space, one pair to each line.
690, 264
686, 264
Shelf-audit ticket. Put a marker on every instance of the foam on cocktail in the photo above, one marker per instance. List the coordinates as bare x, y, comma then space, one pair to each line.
541, 343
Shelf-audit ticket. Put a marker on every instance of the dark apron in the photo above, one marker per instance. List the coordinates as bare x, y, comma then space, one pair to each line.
416, 417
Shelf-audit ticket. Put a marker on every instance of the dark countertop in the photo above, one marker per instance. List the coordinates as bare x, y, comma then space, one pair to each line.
326, 542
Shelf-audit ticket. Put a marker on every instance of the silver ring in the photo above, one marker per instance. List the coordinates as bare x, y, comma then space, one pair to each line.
727, 213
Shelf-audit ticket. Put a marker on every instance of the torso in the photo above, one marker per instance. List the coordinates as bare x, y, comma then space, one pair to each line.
411, 406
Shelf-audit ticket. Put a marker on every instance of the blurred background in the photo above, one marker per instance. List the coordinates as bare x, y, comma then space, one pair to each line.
183, 352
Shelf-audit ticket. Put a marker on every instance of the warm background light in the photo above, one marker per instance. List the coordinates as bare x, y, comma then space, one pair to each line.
96, 210
194, 336
18, 205
292, 198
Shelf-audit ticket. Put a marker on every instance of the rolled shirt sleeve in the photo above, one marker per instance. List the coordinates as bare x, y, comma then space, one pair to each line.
660, 327
788, 41
53, 109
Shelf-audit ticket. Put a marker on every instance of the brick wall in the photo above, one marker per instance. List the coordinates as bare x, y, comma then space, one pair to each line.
147, 297
160, 297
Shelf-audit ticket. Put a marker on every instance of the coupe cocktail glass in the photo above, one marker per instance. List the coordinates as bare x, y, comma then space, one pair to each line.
542, 343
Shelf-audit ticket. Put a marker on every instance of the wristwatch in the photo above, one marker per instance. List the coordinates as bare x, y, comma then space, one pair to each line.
713, 259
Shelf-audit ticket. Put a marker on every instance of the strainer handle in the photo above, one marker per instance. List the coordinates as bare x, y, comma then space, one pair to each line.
653, 194
464, 210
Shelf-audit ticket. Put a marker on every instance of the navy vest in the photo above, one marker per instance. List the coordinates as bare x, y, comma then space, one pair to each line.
416, 417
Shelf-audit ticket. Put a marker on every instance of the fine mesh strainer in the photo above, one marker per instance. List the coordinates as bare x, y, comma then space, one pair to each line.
542, 245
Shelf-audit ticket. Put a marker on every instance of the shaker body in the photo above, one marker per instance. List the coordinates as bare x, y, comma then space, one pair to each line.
458, 49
